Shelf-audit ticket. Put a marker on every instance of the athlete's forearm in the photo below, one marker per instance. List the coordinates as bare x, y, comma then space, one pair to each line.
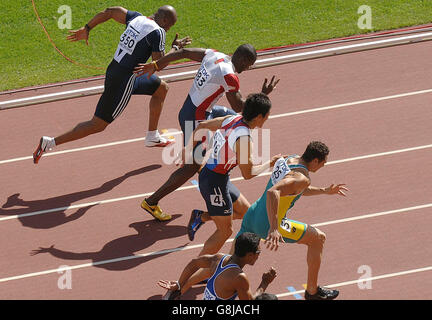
188, 271
315, 191
256, 170
195, 54
273, 197
116, 13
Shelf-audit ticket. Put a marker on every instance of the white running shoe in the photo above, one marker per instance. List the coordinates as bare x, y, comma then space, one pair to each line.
158, 141
45, 144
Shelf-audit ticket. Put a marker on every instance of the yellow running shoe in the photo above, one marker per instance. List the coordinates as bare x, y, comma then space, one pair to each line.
155, 211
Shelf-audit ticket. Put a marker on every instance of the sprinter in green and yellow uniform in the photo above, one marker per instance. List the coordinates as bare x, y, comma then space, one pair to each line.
267, 217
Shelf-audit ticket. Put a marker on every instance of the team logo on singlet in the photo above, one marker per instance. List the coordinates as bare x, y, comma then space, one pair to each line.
201, 77
208, 295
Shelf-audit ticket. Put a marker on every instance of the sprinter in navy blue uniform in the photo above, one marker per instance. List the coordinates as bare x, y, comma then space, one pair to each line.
227, 280
142, 38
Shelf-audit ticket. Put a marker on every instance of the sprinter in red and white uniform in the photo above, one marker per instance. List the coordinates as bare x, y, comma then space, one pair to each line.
216, 76
231, 146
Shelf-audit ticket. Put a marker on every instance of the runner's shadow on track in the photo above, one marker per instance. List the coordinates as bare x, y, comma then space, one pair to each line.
57, 218
119, 254
191, 294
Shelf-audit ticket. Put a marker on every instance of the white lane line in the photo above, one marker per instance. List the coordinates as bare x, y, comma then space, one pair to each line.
143, 195
270, 117
347, 283
161, 252
266, 61
342, 105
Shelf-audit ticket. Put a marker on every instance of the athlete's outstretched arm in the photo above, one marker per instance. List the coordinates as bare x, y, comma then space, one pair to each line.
204, 261
247, 167
332, 189
116, 13
196, 54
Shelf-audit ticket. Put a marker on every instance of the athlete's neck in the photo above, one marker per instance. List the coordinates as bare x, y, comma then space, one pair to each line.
237, 260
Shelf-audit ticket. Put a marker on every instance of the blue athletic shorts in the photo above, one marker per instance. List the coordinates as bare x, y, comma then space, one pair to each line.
120, 84
218, 192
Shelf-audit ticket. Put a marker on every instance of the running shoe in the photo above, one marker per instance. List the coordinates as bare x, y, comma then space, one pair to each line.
172, 295
155, 211
195, 223
158, 142
322, 294
45, 144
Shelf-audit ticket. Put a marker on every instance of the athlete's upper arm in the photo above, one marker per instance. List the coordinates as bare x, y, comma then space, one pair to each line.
212, 124
243, 148
241, 284
119, 14
291, 184
156, 39
196, 54
235, 100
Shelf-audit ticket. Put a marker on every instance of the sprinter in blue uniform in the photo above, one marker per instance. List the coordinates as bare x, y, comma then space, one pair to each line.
142, 38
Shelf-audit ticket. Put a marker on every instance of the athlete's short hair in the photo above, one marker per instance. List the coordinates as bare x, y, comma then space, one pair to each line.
245, 243
256, 104
315, 150
246, 51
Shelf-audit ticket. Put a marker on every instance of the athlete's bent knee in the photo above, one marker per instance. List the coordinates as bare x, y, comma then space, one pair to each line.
162, 90
98, 125
321, 237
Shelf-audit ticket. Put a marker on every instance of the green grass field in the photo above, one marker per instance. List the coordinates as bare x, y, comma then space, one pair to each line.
28, 58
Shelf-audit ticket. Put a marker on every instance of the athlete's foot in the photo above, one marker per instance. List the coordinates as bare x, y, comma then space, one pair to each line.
195, 223
322, 294
155, 211
45, 144
158, 141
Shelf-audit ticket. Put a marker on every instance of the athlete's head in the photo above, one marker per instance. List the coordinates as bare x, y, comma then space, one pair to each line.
315, 155
247, 247
166, 17
256, 109
244, 57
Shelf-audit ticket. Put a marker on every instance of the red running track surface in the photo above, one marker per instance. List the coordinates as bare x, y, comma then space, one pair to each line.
53, 203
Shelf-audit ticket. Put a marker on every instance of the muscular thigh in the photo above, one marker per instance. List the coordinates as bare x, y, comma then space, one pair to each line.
292, 231
215, 192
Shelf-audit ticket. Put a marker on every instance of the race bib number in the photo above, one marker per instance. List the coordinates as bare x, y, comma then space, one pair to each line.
280, 170
201, 77
128, 40
218, 143
216, 199
285, 224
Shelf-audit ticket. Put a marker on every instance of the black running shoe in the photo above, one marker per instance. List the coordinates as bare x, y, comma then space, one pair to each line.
195, 223
322, 294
